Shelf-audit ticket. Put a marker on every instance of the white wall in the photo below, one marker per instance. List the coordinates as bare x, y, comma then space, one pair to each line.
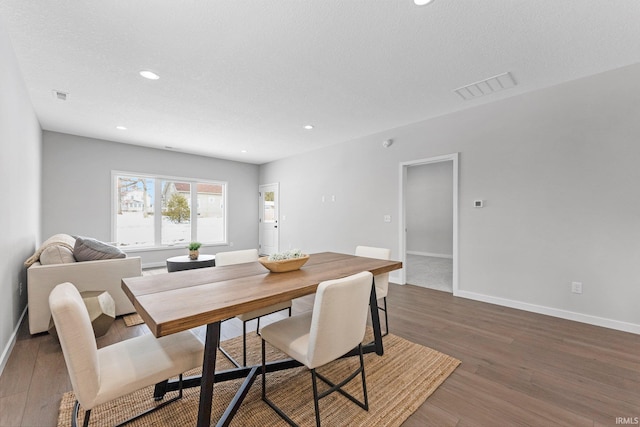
77, 188
557, 168
20, 155
429, 209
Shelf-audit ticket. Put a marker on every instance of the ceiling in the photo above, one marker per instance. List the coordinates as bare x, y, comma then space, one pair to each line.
249, 74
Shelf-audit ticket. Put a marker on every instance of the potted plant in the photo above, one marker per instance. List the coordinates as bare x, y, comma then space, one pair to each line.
193, 250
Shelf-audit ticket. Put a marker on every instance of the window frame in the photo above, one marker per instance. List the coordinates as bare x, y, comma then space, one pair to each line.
157, 209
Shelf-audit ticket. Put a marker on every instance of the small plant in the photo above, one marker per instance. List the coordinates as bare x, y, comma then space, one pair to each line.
293, 253
194, 246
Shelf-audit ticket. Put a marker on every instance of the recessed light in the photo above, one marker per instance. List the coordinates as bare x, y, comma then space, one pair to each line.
149, 75
243, 151
422, 2
121, 128
308, 127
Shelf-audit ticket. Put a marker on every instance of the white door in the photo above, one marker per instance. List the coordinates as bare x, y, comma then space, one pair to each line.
268, 227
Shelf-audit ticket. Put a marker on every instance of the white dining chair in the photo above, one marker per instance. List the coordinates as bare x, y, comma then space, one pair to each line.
335, 327
101, 375
381, 280
239, 257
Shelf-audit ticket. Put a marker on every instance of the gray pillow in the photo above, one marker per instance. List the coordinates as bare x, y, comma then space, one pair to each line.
87, 249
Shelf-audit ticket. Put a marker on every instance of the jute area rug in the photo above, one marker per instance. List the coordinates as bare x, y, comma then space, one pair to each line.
397, 383
132, 319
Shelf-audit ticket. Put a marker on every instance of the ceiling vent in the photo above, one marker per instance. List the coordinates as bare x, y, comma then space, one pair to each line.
60, 96
486, 87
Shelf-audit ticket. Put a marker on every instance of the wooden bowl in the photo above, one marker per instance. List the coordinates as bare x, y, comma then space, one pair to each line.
283, 265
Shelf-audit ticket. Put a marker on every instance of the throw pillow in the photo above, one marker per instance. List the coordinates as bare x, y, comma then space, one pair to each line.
87, 249
56, 255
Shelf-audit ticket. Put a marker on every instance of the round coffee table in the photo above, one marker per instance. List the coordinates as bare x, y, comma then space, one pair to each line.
179, 263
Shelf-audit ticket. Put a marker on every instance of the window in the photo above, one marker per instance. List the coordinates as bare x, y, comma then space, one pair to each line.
140, 222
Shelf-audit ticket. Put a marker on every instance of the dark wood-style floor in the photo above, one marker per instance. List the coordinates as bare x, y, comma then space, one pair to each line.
517, 368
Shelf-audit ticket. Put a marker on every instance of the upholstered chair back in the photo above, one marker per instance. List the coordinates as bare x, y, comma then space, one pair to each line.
339, 318
236, 257
73, 326
382, 280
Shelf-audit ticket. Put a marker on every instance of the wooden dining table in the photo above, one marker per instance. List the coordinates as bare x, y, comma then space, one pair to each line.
174, 302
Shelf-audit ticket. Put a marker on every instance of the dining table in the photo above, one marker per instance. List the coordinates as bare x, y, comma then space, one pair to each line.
173, 302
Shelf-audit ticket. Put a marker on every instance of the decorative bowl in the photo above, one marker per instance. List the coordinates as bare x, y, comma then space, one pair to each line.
283, 265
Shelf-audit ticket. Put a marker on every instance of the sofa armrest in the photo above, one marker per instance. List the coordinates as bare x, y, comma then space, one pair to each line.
102, 275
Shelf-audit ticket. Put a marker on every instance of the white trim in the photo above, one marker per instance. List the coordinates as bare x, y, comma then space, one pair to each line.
554, 312
403, 219
430, 254
12, 341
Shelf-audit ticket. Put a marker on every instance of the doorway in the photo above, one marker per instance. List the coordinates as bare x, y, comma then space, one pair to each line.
429, 226
269, 234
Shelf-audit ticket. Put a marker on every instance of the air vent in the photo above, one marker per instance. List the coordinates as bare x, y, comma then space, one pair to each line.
60, 96
486, 87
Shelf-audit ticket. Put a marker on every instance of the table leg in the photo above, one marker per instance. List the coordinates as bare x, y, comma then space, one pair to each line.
375, 320
208, 374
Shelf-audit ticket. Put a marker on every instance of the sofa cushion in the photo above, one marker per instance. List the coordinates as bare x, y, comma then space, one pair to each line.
87, 249
64, 240
56, 255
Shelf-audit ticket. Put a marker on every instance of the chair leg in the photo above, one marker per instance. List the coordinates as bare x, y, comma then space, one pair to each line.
264, 374
316, 399
87, 413
244, 344
338, 387
227, 355
317, 396
155, 408
386, 318
264, 390
74, 416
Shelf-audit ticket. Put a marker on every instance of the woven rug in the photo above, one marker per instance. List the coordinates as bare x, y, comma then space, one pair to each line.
397, 383
132, 319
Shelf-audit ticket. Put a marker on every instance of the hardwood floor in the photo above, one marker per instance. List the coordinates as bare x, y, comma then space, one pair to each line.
517, 368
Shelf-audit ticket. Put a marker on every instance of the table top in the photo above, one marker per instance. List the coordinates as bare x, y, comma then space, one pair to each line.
182, 300
185, 258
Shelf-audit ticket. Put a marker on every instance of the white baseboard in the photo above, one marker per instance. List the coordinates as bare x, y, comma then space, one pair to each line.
554, 312
12, 341
430, 254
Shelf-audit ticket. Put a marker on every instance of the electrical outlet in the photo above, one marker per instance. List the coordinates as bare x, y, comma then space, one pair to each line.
20, 287
576, 287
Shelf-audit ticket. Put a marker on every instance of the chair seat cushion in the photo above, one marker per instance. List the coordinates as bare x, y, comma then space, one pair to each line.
136, 363
290, 335
264, 311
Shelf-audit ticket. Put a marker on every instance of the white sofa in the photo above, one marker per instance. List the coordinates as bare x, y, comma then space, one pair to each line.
102, 275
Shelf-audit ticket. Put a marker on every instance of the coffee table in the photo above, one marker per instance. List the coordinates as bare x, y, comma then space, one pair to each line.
180, 263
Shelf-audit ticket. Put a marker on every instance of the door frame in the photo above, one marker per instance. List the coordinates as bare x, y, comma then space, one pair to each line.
403, 212
277, 208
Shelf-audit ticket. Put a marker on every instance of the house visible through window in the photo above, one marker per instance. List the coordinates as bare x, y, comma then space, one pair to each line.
156, 211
